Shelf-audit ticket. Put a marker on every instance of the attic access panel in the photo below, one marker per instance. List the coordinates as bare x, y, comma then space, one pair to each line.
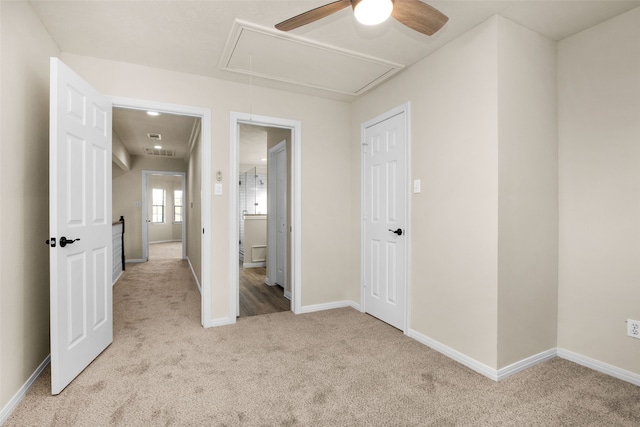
266, 53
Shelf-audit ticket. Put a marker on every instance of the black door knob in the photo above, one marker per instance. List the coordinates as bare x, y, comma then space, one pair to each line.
398, 231
64, 241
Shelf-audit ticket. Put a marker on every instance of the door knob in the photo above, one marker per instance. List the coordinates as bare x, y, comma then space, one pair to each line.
398, 231
64, 241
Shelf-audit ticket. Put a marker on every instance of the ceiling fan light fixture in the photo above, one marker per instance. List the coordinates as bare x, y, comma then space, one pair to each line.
372, 12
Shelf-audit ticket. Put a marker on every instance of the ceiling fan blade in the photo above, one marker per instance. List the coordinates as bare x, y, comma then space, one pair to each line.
419, 16
313, 15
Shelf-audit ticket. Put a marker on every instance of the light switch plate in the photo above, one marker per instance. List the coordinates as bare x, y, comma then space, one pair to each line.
416, 185
217, 190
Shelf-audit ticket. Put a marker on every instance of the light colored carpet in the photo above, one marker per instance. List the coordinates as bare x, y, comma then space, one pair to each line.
332, 368
166, 250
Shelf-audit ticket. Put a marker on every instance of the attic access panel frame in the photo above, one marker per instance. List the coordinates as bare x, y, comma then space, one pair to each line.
266, 53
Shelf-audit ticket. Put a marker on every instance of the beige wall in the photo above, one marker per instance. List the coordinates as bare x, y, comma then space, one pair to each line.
127, 190
599, 116
321, 144
193, 207
453, 230
528, 194
24, 166
484, 227
119, 153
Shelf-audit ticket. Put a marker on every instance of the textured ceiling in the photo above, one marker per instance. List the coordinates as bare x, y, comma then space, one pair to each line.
190, 36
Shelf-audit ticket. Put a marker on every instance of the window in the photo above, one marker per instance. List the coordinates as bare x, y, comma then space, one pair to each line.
157, 214
177, 206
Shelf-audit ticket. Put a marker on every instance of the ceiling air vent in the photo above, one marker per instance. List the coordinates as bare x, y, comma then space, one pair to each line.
154, 136
159, 152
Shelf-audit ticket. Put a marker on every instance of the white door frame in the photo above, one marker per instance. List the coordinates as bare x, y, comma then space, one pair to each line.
272, 219
145, 212
295, 209
205, 115
404, 108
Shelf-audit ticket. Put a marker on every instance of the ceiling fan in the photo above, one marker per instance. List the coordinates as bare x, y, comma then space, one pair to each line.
412, 13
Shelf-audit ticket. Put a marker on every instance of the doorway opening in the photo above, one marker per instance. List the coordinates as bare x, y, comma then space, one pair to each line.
265, 215
263, 287
181, 175
164, 218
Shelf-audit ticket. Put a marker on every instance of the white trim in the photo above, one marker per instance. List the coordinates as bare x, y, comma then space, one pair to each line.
117, 278
527, 363
406, 110
133, 261
296, 205
205, 179
467, 361
164, 241
221, 321
596, 365
193, 272
272, 268
15, 400
240, 26
328, 306
254, 264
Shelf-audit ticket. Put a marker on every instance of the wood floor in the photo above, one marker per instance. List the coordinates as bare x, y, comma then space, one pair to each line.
256, 297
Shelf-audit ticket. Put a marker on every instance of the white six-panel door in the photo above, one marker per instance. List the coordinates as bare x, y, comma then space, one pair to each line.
385, 193
80, 211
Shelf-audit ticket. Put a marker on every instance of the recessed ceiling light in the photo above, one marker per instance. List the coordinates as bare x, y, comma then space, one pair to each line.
264, 160
153, 113
157, 147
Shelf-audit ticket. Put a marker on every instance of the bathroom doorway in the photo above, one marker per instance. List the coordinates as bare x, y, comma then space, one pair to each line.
262, 209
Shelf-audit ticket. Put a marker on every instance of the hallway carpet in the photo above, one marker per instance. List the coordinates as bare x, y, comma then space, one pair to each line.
332, 368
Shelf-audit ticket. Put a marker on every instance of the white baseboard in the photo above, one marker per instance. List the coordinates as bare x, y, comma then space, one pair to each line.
467, 361
117, 278
221, 321
599, 366
287, 295
328, 306
134, 261
526, 363
166, 241
194, 275
254, 264
15, 400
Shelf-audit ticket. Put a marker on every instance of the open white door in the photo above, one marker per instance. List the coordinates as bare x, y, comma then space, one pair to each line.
384, 199
79, 224
277, 227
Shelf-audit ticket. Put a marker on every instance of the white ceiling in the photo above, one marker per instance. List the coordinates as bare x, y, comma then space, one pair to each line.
191, 36
223, 39
253, 145
132, 127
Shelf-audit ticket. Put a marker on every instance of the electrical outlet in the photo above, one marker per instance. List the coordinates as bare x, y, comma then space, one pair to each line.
633, 328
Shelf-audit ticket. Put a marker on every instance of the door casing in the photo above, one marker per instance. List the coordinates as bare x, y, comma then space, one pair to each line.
295, 209
205, 116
